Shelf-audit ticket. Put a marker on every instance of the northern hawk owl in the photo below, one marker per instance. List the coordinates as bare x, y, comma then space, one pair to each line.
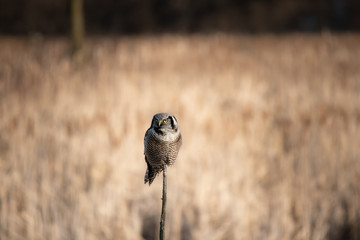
162, 142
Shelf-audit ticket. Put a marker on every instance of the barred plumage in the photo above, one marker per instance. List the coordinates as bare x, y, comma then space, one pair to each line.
162, 142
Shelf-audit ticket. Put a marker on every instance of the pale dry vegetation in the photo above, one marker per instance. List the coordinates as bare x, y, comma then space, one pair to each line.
271, 132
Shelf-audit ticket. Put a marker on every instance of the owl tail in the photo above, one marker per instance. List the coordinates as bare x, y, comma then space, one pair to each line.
149, 175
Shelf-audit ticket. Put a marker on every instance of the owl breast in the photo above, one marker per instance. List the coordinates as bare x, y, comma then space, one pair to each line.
161, 150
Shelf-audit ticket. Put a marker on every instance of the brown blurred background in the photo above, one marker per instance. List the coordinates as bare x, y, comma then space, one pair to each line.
154, 16
267, 95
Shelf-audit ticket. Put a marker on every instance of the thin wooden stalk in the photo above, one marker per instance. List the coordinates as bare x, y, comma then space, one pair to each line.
163, 209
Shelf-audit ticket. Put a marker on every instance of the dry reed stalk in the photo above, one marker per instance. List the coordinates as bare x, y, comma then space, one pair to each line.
163, 208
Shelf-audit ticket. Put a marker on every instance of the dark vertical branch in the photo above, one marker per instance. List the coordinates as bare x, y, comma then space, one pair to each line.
163, 209
77, 28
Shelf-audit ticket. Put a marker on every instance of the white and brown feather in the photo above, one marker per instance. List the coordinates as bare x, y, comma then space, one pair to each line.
161, 146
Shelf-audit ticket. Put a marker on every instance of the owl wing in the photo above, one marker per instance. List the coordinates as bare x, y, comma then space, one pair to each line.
146, 135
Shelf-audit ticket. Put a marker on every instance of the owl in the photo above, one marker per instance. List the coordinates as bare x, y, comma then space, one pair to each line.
162, 142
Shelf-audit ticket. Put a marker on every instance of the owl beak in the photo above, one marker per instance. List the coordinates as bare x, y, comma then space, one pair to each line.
160, 123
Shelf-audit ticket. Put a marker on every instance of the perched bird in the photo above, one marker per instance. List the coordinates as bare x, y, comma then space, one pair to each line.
162, 142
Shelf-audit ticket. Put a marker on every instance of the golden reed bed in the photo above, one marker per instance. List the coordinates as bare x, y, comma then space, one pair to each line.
270, 124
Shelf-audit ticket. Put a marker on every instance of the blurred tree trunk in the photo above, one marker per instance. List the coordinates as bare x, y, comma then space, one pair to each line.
77, 29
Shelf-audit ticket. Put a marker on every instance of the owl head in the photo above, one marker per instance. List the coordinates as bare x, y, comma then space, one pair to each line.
164, 121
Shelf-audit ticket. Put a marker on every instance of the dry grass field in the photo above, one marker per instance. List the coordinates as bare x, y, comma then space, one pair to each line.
270, 124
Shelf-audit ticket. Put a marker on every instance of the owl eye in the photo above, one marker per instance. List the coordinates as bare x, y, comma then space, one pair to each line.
165, 121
